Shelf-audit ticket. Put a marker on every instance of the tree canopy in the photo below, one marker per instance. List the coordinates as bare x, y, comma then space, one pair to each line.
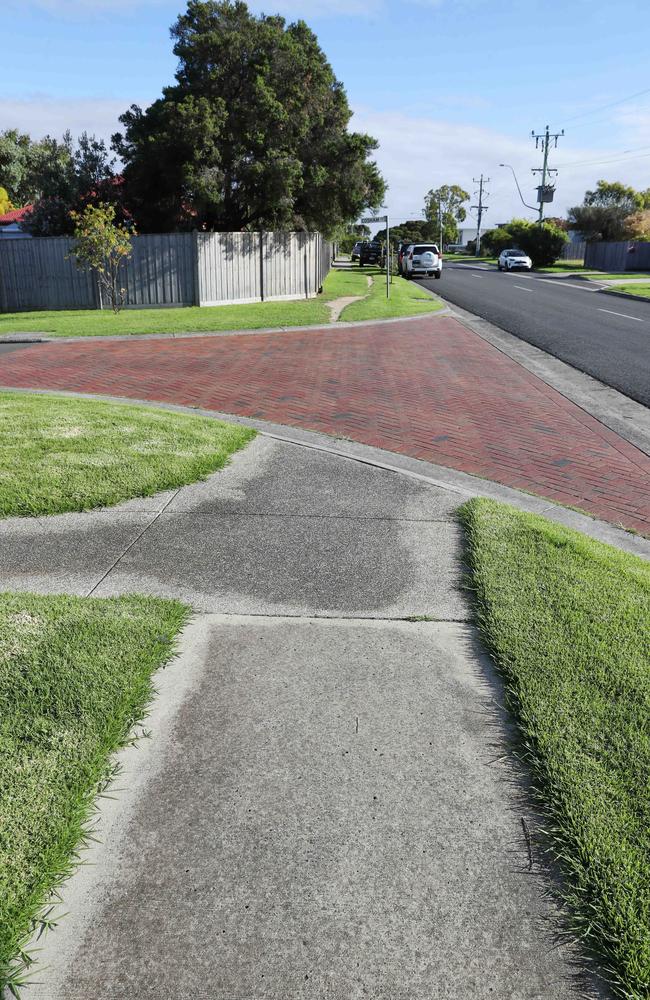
609, 212
446, 202
55, 176
253, 134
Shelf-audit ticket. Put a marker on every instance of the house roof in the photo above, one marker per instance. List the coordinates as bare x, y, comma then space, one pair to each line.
15, 215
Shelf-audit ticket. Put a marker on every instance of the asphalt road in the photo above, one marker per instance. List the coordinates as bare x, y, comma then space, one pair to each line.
604, 335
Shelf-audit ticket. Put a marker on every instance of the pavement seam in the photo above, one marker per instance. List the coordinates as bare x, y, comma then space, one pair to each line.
131, 544
316, 616
314, 517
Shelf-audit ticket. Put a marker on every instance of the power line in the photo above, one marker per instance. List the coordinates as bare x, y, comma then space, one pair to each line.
604, 107
615, 159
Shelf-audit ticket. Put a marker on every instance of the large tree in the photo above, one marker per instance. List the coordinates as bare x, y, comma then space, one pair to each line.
253, 134
446, 204
606, 211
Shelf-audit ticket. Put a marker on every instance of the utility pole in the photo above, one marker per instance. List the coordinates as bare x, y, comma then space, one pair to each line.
543, 139
480, 209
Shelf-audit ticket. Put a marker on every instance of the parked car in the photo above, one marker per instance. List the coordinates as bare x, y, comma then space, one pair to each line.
402, 247
455, 248
509, 260
370, 253
423, 258
356, 250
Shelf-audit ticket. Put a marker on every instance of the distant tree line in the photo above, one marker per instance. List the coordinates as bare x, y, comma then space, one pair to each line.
252, 135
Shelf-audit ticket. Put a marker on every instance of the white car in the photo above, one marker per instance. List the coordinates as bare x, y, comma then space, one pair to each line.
422, 258
510, 260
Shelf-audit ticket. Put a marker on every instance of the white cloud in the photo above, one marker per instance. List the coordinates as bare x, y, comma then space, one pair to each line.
415, 154
419, 153
40, 115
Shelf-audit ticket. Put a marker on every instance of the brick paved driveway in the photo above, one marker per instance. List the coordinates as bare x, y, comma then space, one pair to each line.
431, 389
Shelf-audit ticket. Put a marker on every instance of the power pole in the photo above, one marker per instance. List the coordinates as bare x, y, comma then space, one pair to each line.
480, 209
543, 139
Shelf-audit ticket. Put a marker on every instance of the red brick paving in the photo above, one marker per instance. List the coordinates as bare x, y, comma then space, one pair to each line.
429, 388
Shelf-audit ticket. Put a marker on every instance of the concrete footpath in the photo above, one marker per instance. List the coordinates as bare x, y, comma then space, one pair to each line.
328, 805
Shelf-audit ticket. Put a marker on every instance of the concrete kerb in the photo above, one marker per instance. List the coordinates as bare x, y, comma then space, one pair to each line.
461, 483
626, 295
629, 419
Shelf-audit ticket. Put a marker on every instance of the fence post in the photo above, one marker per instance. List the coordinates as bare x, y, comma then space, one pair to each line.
3, 294
261, 265
195, 267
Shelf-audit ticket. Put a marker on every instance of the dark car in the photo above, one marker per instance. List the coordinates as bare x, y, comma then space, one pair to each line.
356, 250
402, 247
370, 253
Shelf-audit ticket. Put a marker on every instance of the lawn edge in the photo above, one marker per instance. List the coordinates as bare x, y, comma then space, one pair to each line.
574, 905
16, 974
27, 338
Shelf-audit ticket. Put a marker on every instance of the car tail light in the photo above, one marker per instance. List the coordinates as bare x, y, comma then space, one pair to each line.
411, 255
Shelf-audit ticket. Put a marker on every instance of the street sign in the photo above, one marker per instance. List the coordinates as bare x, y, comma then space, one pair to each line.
375, 218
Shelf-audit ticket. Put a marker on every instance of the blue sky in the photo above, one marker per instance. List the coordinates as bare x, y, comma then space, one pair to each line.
451, 88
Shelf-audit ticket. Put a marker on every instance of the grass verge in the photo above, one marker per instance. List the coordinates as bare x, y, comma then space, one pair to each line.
457, 258
254, 316
639, 289
406, 299
567, 620
96, 323
59, 454
75, 676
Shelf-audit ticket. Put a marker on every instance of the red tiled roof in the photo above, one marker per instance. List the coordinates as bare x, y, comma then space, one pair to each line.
15, 215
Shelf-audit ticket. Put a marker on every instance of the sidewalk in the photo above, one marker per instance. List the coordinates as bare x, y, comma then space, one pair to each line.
430, 388
328, 806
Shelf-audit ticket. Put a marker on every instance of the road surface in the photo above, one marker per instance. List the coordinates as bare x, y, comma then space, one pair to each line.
604, 335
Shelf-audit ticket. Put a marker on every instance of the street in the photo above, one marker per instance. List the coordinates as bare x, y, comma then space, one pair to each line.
603, 335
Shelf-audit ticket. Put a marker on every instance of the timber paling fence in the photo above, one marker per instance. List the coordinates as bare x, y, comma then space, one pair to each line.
573, 251
171, 269
625, 256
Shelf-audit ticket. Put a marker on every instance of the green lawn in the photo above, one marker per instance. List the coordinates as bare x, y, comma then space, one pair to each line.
406, 299
562, 266
567, 620
254, 316
59, 454
96, 323
639, 289
460, 258
75, 675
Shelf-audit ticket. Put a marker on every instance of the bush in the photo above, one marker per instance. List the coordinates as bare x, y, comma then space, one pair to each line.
543, 244
495, 240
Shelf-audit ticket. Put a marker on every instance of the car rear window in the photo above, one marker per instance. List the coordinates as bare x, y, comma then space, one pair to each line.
424, 247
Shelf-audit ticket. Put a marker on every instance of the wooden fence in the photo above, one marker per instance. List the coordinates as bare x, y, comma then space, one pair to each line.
171, 269
625, 256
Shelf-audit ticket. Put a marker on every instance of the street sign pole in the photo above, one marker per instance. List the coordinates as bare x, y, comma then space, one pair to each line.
387, 257
374, 220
